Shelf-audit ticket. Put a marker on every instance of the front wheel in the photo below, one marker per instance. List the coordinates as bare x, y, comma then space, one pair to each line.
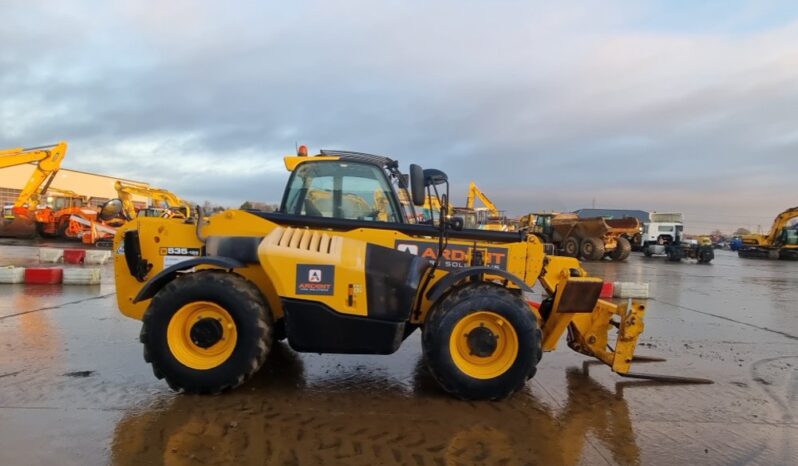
207, 332
481, 342
622, 250
571, 247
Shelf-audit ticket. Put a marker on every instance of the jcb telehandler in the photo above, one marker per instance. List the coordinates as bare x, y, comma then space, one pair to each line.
214, 294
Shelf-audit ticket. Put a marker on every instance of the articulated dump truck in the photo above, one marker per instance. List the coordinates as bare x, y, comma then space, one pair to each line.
214, 294
590, 239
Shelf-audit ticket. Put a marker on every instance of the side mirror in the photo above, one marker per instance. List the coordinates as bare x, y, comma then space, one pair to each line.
110, 210
417, 184
434, 177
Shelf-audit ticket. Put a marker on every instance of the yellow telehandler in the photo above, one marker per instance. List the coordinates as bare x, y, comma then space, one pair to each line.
214, 294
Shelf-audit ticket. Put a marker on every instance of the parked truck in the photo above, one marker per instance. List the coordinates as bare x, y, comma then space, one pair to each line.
664, 235
588, 238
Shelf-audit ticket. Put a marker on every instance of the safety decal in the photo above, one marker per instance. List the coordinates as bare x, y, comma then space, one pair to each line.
315, 279
455, 256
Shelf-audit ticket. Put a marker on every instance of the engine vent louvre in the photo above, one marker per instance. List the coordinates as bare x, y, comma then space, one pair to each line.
305, 240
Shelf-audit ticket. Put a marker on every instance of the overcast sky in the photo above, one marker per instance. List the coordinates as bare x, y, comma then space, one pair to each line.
656, 105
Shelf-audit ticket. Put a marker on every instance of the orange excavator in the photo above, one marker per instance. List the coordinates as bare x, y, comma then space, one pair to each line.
54, 218
69, 217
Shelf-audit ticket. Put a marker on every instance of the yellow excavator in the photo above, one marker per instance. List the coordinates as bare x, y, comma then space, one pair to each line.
20, 221
169, 204
489, 218
781, 242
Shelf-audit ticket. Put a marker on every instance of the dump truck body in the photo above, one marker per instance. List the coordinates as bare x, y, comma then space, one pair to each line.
586, 238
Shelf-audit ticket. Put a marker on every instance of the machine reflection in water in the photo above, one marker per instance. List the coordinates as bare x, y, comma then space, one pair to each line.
286, 416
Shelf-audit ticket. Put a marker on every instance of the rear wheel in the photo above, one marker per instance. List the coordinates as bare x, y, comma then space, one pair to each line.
207, 332
592, 249
571, 247
481, 342
622, 250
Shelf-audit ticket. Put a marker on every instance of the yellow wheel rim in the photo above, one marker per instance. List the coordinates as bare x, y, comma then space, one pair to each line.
201, 335
483, 345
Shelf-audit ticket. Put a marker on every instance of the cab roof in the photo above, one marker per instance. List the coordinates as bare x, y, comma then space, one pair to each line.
292, 161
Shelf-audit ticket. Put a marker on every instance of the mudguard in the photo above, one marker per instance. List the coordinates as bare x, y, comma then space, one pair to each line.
440, 287
168, 274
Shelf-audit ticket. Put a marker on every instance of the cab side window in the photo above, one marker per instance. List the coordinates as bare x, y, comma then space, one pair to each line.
341, 190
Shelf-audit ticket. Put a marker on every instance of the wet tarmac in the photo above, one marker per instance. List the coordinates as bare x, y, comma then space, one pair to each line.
74, 388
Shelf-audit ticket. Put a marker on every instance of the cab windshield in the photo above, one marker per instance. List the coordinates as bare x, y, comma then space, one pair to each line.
341, 190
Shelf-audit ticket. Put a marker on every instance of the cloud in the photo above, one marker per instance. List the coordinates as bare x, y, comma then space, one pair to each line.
544, 106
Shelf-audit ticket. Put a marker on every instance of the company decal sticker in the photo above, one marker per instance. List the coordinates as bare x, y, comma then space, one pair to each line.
175, 255
455, 256
315, 279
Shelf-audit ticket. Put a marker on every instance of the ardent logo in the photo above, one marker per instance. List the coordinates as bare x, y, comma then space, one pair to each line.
455, 256
410, 248
314, 276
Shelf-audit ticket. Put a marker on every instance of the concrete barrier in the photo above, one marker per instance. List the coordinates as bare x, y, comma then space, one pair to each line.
43, 275
631, 290
74, 256
12, 274
95, 257
607, 290
51, 255
82, 276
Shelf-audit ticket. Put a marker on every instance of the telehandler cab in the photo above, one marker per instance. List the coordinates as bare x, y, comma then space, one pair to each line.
330, 277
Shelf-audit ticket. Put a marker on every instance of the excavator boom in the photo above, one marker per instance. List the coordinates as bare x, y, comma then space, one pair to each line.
779, 243
48, 160
473, 193
780, 222
126, 191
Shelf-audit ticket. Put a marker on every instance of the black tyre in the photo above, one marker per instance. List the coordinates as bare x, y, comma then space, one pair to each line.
62, 230
571, 247
592, 249
481, 342
622, 250
705, 256
207, 332
647, 251
279, 330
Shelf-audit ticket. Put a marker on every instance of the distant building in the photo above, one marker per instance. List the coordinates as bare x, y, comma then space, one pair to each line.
97, 188
641, 215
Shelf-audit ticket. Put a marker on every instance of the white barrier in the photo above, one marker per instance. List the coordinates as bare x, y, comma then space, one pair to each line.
630, 290
12, 274
51, 255
82, 276
97, 257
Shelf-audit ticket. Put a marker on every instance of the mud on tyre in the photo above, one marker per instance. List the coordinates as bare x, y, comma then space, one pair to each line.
481, 342
207, 332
